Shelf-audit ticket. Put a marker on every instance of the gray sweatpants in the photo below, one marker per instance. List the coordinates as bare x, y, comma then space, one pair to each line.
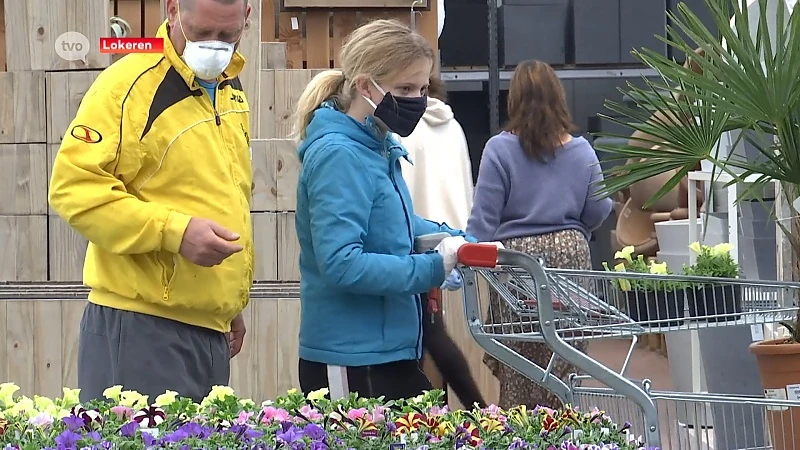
148, 354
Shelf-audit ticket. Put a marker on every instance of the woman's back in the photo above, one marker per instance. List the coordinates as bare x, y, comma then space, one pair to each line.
517, 195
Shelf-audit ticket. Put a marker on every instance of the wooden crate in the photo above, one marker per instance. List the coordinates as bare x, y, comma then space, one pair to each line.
65, 90
23, 179
314, 37
288, 248
23, 248
22, 108
265, 185
280, 91
33, 28
66, 250
265, 240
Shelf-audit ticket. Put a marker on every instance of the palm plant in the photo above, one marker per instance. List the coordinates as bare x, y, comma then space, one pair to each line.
742, 78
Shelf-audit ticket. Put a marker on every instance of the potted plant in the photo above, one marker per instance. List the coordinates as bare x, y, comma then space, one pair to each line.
710, 301
746, 77
648, 299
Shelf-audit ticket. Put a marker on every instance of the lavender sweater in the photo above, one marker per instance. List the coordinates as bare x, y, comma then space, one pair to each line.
516, 196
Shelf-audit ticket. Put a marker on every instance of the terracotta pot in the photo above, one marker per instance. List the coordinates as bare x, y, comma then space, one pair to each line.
779, 366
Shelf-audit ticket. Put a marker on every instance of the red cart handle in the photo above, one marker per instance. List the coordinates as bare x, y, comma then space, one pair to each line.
478, 255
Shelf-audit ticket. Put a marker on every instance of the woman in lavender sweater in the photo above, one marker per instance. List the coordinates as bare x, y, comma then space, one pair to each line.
535, 193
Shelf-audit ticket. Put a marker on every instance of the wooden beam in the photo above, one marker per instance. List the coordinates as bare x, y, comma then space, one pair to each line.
34, 29
266, 127
273, 55
288, 248
265, 185
289, 84
23, 247
287, 165
23, 179
424, 4
250, 48
265, 235
66, 250
22, 108
65, 91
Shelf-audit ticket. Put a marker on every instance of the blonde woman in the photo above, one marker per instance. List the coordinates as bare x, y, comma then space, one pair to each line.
361, 319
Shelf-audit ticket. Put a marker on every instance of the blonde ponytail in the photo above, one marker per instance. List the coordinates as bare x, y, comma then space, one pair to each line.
380, 49
326, 85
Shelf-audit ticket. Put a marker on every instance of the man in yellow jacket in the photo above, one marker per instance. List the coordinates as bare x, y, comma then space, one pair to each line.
155, 171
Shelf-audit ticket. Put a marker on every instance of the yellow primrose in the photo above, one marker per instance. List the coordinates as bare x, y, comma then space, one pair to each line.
625, 253
113, 392
658, 268
417, 399
71, 396
7, 391
319, 394
44, 404
132, 399
247, 402
23, 407
696, 247
167, 398
291, 391
220, 392
722, 249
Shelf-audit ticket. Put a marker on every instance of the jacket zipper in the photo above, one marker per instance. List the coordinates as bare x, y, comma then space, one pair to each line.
417, 300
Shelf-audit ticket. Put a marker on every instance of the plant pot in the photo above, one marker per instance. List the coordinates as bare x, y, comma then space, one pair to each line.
650, 306
779, 366
715, 300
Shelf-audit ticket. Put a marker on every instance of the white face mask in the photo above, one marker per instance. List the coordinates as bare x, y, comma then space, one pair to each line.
208, 59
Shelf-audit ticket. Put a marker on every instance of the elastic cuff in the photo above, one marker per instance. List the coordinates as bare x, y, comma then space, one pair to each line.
173, 231
437, 269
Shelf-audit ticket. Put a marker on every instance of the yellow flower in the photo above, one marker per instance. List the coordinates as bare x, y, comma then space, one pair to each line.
417, 399
722, 249
247, 402
113, 393
291, 391
217, 393
7, 391
696, 247
319, 394
620, 267
23, 407
658, 268
132, 399
167, 398
625, 285
71, 396
44, 404
625, 253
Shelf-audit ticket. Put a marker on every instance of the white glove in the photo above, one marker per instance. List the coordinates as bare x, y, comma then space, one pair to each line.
448, 248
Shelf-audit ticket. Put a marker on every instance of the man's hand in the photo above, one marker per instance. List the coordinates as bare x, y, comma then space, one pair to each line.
206, 243
236, 336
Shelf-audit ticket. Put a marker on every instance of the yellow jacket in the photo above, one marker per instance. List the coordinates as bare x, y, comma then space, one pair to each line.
145, 153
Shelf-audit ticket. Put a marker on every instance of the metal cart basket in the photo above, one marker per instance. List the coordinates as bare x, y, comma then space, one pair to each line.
534, 303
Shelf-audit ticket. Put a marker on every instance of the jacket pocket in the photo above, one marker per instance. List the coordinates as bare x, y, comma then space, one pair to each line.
168, 263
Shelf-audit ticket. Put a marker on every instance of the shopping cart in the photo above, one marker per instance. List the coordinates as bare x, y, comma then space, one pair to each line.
533, 303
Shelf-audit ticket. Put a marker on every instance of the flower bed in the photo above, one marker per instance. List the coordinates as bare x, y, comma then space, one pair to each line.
128, 420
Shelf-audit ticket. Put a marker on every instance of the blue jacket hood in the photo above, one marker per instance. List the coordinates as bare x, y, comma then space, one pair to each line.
328, 120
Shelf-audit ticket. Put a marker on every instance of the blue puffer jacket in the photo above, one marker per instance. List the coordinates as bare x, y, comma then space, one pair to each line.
360, 281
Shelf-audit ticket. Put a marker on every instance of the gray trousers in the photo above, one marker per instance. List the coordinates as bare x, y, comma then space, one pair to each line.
148, 354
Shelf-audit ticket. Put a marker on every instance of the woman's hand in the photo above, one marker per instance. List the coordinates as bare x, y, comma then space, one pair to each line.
448, 248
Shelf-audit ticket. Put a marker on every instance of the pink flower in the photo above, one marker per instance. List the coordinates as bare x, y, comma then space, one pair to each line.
271, 413
122, 412
310, 413
244, 416
354, 414
378, 415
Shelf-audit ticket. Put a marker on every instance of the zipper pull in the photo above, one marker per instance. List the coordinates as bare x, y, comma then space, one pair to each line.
219, 121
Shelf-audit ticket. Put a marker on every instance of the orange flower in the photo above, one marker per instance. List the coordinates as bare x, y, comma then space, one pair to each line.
549, 423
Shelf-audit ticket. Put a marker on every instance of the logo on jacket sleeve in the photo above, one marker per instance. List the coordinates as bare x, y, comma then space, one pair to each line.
86, 134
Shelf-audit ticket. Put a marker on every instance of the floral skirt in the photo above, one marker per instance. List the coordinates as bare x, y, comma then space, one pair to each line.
566, 249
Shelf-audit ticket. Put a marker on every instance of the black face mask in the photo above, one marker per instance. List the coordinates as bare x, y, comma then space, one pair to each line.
400, 114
